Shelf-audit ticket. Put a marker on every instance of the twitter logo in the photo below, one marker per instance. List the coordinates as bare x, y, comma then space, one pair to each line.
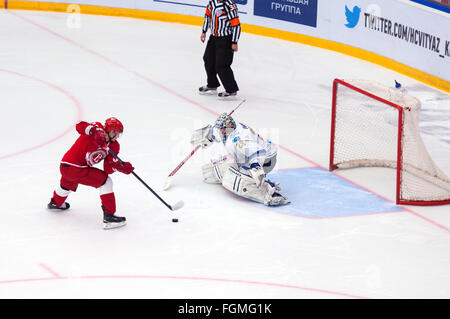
352, 16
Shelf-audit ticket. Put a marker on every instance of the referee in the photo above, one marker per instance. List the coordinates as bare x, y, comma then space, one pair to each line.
222, 17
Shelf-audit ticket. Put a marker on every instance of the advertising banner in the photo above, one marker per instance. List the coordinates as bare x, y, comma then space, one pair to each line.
443, 5
417, 37
296, 11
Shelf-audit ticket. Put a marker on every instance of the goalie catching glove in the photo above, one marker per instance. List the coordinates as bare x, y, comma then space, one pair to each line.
202, 137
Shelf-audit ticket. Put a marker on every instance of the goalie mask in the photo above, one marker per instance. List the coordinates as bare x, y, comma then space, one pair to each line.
226, 125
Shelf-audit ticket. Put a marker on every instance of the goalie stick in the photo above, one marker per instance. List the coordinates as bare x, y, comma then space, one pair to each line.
176, 206
169, 178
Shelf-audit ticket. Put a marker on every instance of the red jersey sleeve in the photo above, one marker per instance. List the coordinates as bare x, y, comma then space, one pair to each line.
83, 127
108, 164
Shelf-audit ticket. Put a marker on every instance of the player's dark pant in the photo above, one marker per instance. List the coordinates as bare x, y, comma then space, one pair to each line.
218, 58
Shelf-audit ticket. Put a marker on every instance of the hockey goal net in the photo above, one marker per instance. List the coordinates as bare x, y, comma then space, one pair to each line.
374, 125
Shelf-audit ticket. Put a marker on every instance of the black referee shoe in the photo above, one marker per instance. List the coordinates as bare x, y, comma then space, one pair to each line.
207, 90
226, 94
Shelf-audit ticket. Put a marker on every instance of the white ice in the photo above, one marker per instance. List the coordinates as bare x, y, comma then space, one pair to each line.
147, 73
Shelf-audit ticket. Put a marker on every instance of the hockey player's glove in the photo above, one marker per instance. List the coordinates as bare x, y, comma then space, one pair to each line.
257, 174
99, 135
125, 168
208, 140
202, 137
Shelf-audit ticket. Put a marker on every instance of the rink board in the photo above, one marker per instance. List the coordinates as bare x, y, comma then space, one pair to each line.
317, 193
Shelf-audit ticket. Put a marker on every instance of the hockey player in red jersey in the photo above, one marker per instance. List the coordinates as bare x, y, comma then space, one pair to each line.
77, 167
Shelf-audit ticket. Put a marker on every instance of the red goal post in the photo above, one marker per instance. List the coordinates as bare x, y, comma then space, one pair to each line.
373, 125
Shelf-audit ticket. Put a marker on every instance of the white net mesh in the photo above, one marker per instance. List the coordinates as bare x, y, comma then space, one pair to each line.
366, 134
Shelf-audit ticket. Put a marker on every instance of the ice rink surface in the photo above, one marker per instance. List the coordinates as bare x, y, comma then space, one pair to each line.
147, 74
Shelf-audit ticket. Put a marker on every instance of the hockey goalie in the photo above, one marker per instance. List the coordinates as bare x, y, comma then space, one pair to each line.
249, 159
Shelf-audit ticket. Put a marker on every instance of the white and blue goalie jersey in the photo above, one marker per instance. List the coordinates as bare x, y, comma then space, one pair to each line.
247, 147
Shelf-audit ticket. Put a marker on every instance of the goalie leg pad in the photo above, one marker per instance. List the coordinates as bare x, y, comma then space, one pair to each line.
213, 172
244, 185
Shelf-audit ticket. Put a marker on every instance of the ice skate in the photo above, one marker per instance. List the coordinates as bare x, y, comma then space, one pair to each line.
226, 95
112, 221
274, 185
53, 206
278, 200
205, 90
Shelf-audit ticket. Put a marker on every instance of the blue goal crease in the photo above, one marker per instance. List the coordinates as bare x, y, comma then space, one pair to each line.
317, 193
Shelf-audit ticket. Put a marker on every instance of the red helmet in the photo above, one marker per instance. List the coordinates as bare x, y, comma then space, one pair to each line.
113, 124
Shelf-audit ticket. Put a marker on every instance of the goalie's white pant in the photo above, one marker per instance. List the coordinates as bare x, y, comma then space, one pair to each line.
244, 185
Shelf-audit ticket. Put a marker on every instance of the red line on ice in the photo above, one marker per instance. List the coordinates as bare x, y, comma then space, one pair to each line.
224, 280
57, 88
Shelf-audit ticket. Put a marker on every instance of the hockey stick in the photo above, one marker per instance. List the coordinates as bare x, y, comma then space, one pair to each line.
177, 205
169, 178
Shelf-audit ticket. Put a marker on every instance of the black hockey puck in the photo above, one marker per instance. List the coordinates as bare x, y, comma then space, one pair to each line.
175, 220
